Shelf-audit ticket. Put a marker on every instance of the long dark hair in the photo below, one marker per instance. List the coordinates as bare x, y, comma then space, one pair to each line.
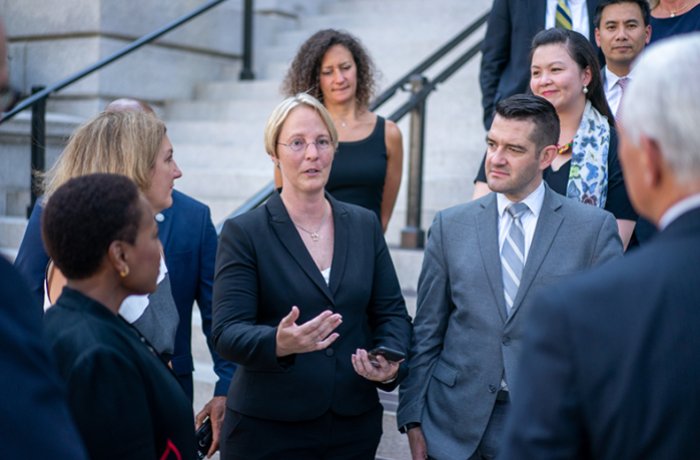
583, 53
304, 74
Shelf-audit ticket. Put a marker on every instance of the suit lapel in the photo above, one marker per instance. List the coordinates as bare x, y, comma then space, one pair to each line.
341, 242
165, 225
546, 230
537, 15
487, 231
591, 26
290, 239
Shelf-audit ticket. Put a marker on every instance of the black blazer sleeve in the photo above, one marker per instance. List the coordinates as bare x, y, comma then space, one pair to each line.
262, 270
495, 52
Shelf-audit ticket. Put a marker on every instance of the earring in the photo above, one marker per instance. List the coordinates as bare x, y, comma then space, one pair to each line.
585, 90
125, 272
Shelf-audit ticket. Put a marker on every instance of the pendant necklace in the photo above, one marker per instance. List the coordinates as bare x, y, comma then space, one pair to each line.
315, 236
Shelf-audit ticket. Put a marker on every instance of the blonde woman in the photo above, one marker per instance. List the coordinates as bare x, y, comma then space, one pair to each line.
135, 145
304, 289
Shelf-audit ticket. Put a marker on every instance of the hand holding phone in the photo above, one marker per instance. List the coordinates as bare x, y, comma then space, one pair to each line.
203, 437
389, 354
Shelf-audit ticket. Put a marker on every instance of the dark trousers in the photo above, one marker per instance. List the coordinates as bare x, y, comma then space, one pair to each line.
330, 436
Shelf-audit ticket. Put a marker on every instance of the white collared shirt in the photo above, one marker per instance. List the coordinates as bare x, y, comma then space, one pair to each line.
579, 16
133, 306
678, 209
613, 91
529, 219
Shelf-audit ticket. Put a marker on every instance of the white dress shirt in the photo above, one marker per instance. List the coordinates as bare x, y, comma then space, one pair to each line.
528, 219
678, 209
579, 16
613, 91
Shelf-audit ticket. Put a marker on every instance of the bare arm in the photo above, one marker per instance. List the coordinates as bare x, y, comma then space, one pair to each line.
394, 169
480, 189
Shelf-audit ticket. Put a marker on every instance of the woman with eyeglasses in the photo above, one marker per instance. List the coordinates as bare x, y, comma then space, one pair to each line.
335, 68
304, 287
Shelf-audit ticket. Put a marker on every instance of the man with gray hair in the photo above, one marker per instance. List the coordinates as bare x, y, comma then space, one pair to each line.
610, 363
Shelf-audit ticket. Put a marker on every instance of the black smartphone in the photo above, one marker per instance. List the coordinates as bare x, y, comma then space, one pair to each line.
203, 436
389, 354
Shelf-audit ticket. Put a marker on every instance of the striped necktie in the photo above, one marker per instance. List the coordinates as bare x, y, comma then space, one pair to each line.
622, 83
562, 17
513, 253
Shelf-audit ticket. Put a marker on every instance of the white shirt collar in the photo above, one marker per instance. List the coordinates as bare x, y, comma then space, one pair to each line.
533, 201
678, 209
611, 78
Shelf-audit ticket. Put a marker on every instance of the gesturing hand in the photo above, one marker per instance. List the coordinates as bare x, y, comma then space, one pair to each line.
315, 334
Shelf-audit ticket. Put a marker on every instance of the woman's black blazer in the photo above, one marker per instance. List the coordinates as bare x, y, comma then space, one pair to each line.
262, 270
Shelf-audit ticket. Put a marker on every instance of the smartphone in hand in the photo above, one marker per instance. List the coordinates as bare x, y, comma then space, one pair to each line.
389, 354
203, 436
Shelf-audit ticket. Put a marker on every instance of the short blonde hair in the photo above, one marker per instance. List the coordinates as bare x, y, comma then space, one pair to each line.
124, 143
282, 111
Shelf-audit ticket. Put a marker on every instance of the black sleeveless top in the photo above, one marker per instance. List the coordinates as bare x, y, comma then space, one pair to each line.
359, 169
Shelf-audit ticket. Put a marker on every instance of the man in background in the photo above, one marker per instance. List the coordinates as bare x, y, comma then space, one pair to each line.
512, 24
622, 31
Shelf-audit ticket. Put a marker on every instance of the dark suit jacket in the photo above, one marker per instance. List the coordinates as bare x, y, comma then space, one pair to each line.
262, 270
189, 242
610, 363
125, 401
505, 61
34, 418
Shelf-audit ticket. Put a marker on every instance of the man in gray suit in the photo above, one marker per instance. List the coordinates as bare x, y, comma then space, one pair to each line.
483, 262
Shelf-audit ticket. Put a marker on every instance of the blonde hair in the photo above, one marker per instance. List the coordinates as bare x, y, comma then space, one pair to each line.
282, 111
124, 143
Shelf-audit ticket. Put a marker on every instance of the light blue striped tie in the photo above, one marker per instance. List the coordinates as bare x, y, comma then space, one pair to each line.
513, 253
562, 17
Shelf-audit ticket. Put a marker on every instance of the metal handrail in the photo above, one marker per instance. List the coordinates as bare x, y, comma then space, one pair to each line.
428, 62
414, 101
146, 39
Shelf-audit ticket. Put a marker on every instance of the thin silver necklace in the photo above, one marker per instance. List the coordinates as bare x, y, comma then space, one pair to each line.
315, 236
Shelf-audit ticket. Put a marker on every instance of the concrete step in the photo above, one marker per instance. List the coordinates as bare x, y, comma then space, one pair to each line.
246, 154
8, 253
240, 90
11, 231
182, 132
230, 183
205, 110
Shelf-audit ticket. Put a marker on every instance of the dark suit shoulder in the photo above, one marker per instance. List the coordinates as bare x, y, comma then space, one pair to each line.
184, 201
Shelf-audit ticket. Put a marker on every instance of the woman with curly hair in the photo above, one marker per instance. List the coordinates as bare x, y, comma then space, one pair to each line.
334, 67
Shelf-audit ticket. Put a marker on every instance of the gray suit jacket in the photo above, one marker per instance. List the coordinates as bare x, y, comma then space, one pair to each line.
464, 342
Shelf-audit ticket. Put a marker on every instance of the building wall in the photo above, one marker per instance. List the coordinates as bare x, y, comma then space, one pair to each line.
50, 40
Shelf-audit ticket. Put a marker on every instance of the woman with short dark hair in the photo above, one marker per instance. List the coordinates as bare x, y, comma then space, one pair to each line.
100, 232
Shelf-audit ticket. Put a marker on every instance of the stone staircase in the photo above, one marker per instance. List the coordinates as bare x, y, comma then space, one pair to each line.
218, 133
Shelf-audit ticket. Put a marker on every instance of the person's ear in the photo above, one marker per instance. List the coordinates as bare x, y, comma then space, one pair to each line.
652, 162
587, 76
116, 256
547, 155
648, 33
597, 37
